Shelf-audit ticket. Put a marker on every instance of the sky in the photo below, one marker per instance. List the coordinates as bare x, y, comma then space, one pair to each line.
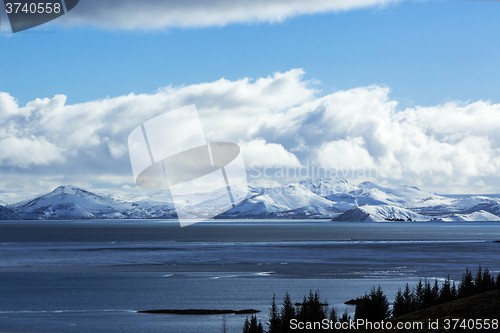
398, 92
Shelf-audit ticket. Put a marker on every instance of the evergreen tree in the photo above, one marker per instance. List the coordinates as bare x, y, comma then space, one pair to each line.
409, 299
428, 295
252, 326
311, 309
246, 326
345, 319
287, 313
478, 281
398, 308
274, 317
373, 307
435, 292
498, 281
380, 304
454, 292
486, 283
466, 287
255, 327
445, 294
419, 296
333, 319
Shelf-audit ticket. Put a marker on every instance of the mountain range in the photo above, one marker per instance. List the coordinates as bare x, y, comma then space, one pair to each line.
335, 199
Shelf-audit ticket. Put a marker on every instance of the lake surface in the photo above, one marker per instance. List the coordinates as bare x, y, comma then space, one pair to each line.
92, 276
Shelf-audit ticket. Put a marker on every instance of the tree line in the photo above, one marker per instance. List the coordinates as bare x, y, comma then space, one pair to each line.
373, 306
425, 294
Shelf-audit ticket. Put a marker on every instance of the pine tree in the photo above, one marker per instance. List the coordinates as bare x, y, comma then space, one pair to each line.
419, 296
255, 327
311, 309
478, 281
409, 299
345, 318
274, 318
398, 308
362, 310
287, 313
428, 301
246, 326
454, 292
466, 287
252, 326
486, 283
332, 318
380, 304
445, 293
373, 307
435, 292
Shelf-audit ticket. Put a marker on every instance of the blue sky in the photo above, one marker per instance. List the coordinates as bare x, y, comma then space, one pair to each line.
417, 53
426, 52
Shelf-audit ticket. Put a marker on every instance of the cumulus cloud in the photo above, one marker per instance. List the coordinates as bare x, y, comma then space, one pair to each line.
260, 153
51, 139
26, 152
344, 154
158, 14
279, 121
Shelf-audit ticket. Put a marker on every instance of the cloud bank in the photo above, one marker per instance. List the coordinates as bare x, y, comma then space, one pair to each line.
279, 121
159, 14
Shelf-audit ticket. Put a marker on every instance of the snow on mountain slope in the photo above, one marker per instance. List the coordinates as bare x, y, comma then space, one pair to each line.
280, 199
476, 216
384, 213
326, 186
318, 198
67, 202
402, 196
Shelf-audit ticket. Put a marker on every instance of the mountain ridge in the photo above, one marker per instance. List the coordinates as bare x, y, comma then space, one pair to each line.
320, 198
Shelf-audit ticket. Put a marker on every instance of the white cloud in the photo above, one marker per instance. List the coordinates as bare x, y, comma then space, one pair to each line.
259, 153
278, 120
158, 14
27, 152
345, 154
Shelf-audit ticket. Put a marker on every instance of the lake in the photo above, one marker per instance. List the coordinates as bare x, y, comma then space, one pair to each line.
92, 276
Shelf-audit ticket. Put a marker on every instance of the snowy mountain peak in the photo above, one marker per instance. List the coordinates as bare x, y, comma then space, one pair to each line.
327, 186
311, 198
66, 189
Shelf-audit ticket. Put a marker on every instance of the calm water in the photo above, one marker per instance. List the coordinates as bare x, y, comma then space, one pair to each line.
93, 276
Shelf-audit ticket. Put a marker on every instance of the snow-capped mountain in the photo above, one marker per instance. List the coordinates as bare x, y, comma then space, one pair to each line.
66, 202
278, 200
476, 216
380, 213
336, 199
73, 203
